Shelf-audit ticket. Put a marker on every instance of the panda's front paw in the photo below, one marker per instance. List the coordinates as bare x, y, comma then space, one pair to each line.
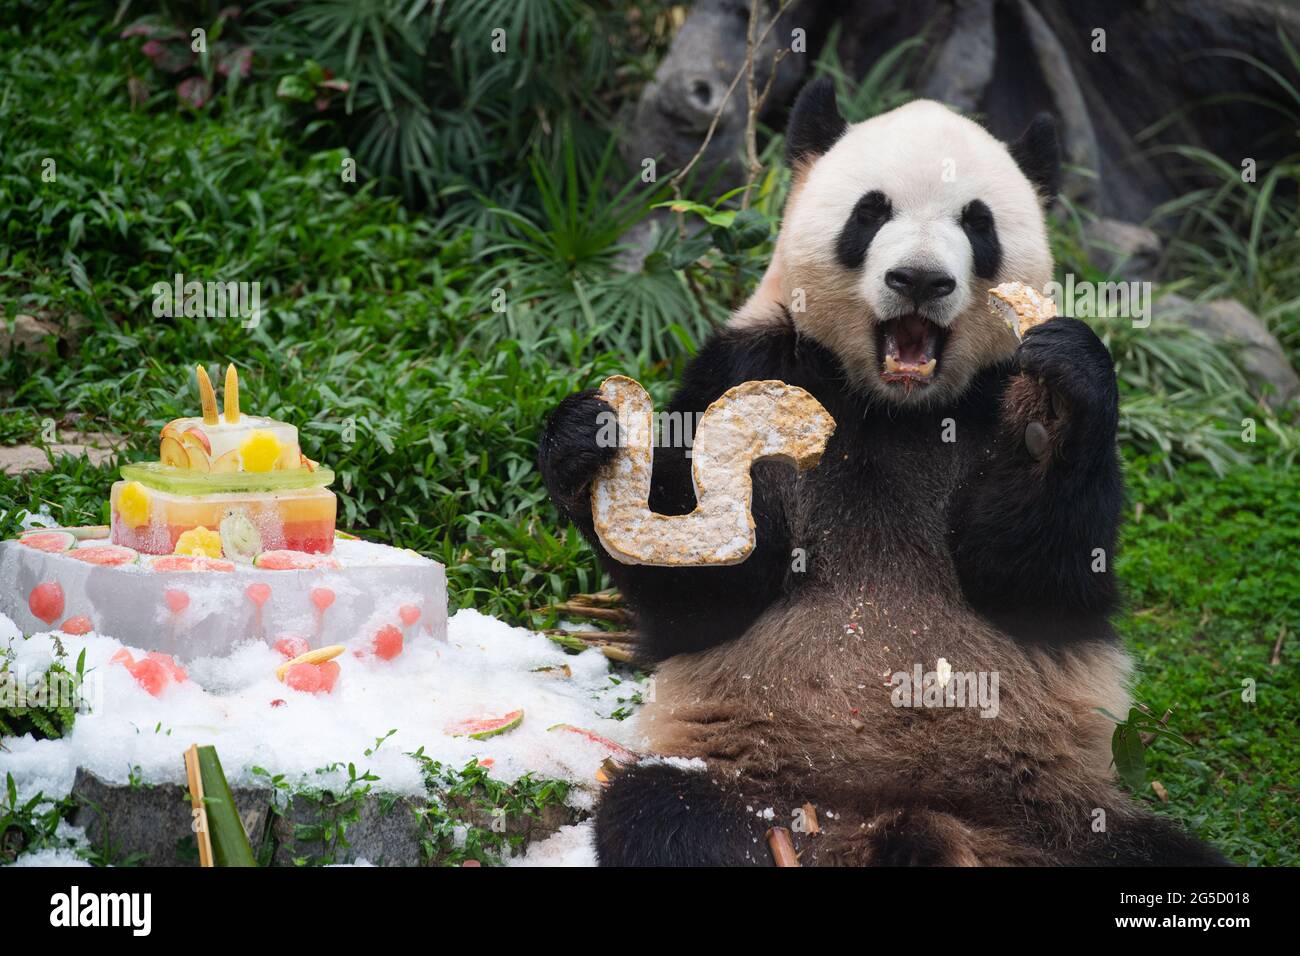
572, 451
1066, 356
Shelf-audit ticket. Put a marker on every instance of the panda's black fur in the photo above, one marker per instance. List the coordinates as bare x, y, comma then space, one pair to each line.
924, 545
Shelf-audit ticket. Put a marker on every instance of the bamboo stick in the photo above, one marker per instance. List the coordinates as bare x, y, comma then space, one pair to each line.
202, 835
782, 847
609, 598
810, 818
616, 636
616, 615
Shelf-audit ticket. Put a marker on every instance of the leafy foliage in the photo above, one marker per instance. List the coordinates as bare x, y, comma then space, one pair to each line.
43, 705
1239, 236
459, 797
31, 824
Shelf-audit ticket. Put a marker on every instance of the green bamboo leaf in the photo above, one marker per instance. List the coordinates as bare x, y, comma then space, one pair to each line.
229, 841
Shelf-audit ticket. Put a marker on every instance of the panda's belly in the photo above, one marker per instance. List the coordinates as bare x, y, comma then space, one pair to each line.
811, 696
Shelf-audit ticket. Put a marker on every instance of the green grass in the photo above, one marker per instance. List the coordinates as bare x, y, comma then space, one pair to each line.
379, 327
1212, 585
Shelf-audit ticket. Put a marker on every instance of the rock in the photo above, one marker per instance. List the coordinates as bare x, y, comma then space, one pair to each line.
385, 829
690, 86
964, 65
1123, 250
1261, 356
1074, 122
26, 332
151, 823
1108, 71
96, 447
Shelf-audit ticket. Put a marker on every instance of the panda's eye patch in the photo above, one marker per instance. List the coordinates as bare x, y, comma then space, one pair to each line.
873, 208
982, 233
977, 217
869, 213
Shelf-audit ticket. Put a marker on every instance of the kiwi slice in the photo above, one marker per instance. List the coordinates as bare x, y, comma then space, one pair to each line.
241, 542
181, 481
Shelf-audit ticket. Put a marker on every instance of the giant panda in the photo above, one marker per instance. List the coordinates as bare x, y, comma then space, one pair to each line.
964, 515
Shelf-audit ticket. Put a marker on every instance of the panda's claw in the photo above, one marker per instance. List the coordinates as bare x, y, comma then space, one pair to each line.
1068, 358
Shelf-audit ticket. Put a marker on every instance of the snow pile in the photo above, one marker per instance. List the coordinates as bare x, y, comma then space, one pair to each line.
570, 846
485, 669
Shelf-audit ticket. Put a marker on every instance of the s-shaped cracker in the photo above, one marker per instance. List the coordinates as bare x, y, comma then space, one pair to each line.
754, 421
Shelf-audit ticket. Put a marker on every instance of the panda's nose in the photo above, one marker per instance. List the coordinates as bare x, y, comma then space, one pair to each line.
920, 285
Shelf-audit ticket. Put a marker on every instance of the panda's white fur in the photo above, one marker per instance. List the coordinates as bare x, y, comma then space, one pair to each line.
930, 162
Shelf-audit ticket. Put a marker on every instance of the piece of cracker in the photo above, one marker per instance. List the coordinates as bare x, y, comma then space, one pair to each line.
1020, 306
754, 421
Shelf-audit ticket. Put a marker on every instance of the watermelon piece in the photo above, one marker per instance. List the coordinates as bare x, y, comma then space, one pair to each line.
617, 751
53, 542
185, 562
481, 728
106, 555
304, 677
174, 670
329, 675
77, 625
388, 642
258, 593
46, 601
123, 656
294, 561
292, 647
150, 674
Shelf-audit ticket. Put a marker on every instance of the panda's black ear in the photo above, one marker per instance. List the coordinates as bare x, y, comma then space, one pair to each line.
1038, 155
815, 122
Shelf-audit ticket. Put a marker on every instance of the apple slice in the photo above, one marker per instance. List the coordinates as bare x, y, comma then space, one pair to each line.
197, 448
173, 453
289, 458
194, 435
199, 460
171, 431
227, 464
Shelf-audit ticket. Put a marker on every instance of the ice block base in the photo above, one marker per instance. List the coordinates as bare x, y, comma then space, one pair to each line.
192, 614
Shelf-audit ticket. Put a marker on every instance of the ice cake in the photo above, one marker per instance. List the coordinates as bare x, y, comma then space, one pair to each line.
230, 486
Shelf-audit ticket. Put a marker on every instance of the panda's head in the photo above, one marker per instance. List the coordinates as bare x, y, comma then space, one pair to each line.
894, 231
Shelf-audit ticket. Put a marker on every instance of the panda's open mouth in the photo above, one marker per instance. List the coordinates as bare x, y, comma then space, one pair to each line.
911, 346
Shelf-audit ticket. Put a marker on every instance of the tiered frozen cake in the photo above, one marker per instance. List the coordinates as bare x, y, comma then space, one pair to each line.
229, 538
236, 485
